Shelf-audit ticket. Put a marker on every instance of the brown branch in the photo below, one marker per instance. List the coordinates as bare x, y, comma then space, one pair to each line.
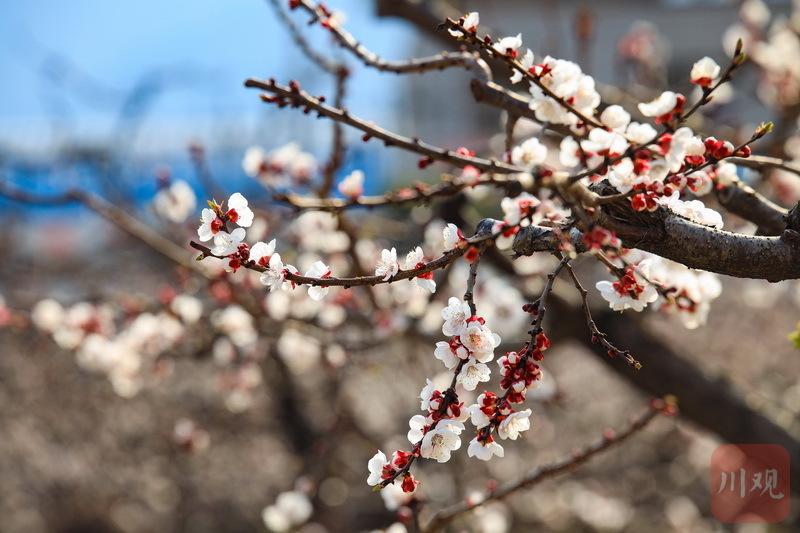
325, 63
694, 245
111, 213
482, 235
487, 45
441, 61
286, 95
567, 464
419, 193
761, 163
741, 200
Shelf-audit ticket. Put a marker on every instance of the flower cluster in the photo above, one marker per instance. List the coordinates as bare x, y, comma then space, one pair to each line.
437, 434
633, 290
492, 413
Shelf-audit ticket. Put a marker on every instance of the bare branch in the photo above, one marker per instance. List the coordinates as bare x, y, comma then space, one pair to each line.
298, 98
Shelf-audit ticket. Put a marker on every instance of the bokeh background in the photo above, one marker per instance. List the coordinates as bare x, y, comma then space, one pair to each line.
109, 97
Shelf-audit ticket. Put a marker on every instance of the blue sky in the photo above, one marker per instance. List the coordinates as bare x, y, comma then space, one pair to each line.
74, 63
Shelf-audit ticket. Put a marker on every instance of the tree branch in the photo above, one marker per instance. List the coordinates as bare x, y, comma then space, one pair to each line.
298, 98
681, 240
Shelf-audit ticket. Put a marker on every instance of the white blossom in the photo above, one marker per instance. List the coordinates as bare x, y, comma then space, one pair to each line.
473, 373
260, 253
662, 105
375, 466
318, 270
176, 202
529, 154
243, 213
445, 354
451, 236
694, 210
640, 133
387, 265
704, 69
227, 243
439, 442
615, 117
455, 316
484, 450
527, 63
471, 22
352, 186
514, 424
480, 340
509, 45
478, 418
417, 424
426, 394
205, 231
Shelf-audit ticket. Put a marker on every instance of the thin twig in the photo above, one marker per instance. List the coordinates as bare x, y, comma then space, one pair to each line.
297, 98
567, 464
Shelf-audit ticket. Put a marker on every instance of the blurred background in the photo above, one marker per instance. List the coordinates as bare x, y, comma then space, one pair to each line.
239, 399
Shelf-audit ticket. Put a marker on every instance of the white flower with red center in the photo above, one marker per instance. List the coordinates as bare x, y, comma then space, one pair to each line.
527, 63
352, 186
445, 353
387, 265
426, 395
238, 211
601, 144
565, 80
615, 117
451, 236
662, 105
704, 72
455, 316
274, 277
227, 243
508, 45
376, 466
417, 423
632, 291
470, 24
439, 442
477, 415
480, 341
210, 225
529, 154
473, 373
261, 252
485, 449
683, 144
414, 260
320, 271
515, 209
690, 291
514, 424
622, 177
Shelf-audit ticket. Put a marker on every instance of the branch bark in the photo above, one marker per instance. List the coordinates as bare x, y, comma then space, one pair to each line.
683, 241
